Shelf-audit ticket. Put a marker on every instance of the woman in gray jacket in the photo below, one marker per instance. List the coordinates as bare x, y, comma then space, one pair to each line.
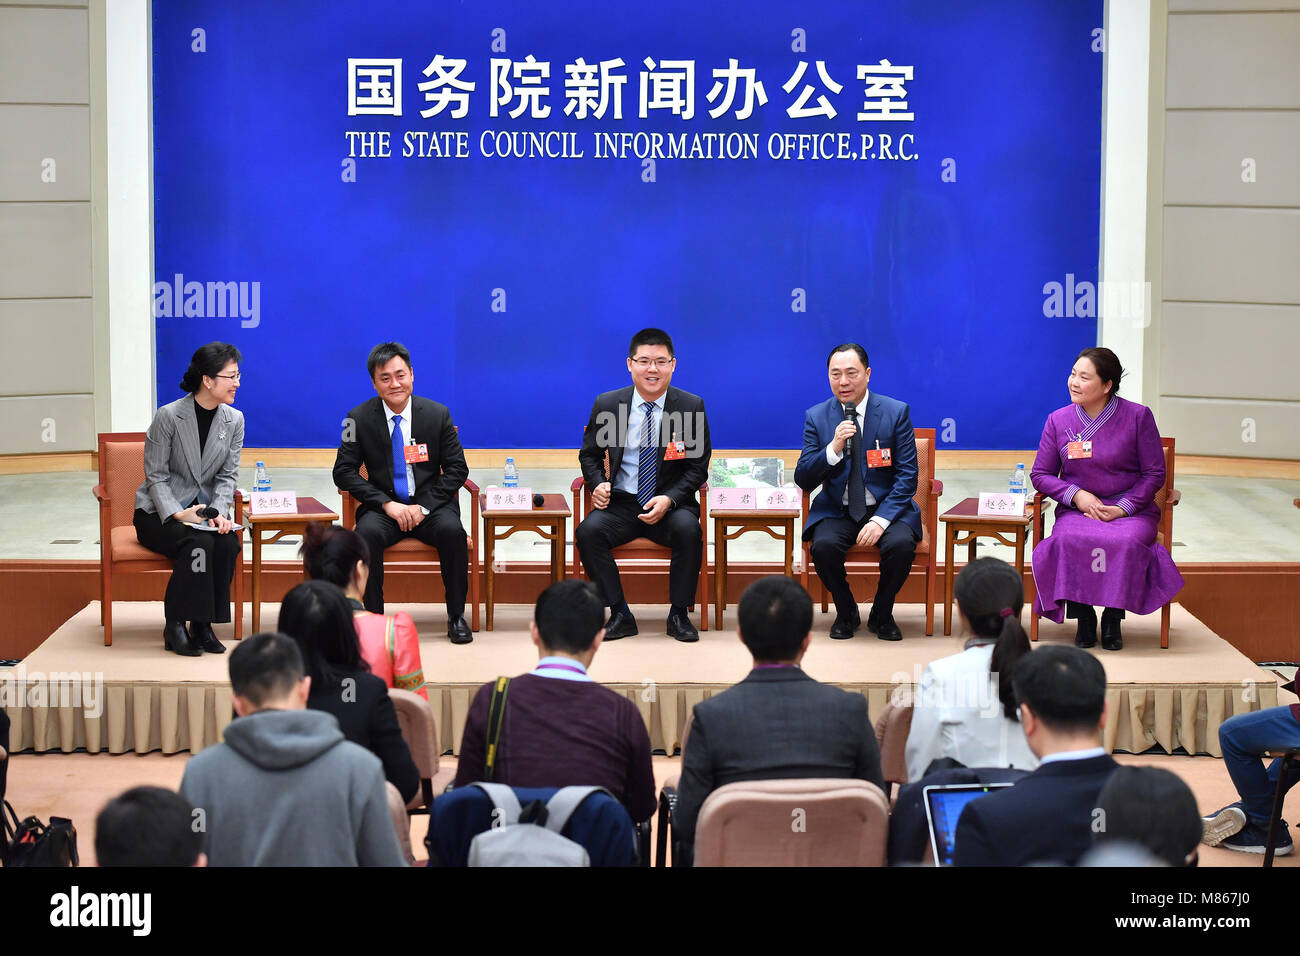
191, 461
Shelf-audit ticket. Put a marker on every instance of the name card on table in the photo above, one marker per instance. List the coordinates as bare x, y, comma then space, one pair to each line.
273, 503
734, 499
780, 499
1001, 504
507, 499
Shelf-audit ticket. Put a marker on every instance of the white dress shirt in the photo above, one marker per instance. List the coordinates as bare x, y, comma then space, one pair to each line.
1075, 755
406, 437
833, 458
630, 467
957, 713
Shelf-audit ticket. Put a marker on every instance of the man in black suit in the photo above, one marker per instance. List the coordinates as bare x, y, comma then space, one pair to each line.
1050, 815
778, 722
644, 455
415, 469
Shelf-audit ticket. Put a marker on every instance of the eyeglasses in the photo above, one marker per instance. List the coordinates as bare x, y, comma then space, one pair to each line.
644, 363
234, 377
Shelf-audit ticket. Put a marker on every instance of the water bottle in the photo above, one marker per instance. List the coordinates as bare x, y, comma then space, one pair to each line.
1018, 479
511, 479
261, 481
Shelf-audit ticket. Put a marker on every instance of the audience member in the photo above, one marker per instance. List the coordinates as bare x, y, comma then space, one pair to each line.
1047, 817
286, 788
1244, 739
778, 722
1151, 808
389, 642
148, 826
965, 707
560, 727
317, 616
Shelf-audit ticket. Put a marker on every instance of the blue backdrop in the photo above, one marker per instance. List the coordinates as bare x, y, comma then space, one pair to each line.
936, 261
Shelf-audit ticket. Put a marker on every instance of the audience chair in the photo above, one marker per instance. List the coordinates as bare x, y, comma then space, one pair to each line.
892, 727
410, 552
810, 822
401, 822
642, 549
1290, 764
121, 473
420, 731
928, 490
1167, 499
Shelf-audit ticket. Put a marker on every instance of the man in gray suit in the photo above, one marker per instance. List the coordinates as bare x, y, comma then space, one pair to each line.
778, 722
191, 462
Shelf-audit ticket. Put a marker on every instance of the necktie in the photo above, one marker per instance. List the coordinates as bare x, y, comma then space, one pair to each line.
647, 471
399, 462
857, 487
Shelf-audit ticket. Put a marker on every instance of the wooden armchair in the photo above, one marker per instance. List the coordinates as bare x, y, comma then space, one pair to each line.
1167, 494
642, 549
411, 551
121, 473
928, 490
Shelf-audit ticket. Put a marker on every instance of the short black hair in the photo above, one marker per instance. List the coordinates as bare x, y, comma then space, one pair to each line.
1065, 687
849, 347
651, 337
147, 826
569, 615
208, 360
1107, 365
318, 617
265, 667
385, 352
1153, 808
776, 614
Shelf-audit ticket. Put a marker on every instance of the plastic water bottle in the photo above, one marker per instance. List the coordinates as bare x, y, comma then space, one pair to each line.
1018, 479
511, 479
262, 480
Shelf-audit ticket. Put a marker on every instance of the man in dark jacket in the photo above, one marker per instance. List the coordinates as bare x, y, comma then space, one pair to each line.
778, 722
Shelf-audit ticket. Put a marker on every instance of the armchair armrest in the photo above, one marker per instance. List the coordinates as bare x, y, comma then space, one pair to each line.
101, 495
470, 486
936, 487
1175, 496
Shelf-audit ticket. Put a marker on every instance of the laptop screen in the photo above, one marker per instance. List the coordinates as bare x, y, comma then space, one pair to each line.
943, 807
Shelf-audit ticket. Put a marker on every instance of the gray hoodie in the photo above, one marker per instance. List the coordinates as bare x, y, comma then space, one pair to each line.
286, 789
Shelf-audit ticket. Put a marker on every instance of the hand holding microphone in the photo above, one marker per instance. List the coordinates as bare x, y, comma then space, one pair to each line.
845, 430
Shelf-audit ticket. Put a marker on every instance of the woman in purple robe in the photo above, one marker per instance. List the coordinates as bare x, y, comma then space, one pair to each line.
1100, 458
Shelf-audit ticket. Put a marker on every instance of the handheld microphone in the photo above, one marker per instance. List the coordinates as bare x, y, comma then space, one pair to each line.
208, 512
850, 415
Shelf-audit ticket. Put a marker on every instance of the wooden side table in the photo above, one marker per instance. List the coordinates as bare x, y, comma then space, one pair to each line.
778, 524
549, 522
964, 525
310, 511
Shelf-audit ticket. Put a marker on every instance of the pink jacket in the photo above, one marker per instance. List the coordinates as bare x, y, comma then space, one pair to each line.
391, 647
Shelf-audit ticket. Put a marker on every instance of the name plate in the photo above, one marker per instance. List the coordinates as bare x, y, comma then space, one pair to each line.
780, 499
273, 503
507, 499
1001, 504
734, 499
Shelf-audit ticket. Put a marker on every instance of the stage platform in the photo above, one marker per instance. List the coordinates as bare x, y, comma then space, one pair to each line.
136, 697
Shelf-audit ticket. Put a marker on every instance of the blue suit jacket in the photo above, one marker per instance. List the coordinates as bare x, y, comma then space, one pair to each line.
888, 421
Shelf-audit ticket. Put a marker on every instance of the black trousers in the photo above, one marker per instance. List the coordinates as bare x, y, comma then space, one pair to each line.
203, 565
602, 531
832, 538
441, 529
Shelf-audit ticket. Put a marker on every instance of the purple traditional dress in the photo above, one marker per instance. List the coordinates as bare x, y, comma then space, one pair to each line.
1103, 563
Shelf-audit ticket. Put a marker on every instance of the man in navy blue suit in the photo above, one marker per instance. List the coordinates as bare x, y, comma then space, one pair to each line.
1048, 816
860, 448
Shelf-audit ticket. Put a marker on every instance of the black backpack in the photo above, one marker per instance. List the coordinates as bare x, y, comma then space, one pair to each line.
32, 843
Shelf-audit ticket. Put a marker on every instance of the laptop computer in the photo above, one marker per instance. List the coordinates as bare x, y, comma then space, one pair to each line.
943, 806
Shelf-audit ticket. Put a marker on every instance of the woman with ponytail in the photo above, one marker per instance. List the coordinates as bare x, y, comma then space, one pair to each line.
965, 707
389, 643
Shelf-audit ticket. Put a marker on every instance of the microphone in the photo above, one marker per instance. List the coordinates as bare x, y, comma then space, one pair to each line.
208, 512
850, 415
539, 500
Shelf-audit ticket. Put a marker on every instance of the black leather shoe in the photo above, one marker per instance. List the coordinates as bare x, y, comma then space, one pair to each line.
886, 628
177, 640
1111, 639
844, 627
620, 625
681, 628
202, 636
459, 632
1085, 635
